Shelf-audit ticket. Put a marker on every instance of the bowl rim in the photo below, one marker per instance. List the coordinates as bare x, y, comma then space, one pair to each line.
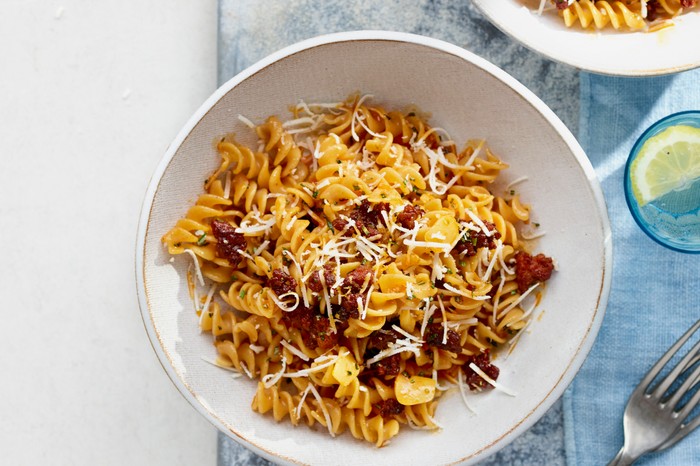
524, 40
372, 36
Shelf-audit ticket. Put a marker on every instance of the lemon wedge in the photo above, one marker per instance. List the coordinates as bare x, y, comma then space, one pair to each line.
668, 161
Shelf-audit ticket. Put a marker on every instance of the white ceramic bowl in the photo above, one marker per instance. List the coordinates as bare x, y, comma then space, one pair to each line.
607, 51
469, 97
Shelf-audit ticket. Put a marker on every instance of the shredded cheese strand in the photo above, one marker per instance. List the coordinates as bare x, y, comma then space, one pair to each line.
197, 270
323, 408
281, 304
518, 301
462, 293
301, 400
246, 121
207, 302
462, 392
406, 334
216, 364
294, 350
400, 346
444, 320
488, 379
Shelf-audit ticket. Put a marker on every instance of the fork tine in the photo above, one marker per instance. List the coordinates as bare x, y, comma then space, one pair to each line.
695, 399
646, 381
691, 379
683, 367
680, 434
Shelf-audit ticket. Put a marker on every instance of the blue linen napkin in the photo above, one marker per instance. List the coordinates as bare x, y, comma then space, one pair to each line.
654, 296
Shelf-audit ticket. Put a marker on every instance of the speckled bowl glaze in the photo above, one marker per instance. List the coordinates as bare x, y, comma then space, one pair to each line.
619, 53
470, 98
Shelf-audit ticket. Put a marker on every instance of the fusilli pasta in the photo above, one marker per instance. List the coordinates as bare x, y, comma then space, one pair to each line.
631, 15
358, 265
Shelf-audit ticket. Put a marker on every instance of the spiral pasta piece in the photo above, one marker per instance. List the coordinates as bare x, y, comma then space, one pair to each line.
633, 15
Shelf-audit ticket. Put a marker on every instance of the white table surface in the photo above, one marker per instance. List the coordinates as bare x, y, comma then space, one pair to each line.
91, 94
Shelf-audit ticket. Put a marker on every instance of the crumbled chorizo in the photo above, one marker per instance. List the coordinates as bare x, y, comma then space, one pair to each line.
350, 306
389, 407
228, 242
339, 224
368, 217
314, 282
384, 368
407, 218
483, 362
323, 335
300, 318
314, 328
653, 10
380, 339
355, 280
281, 282
377, 341
531, 269
433, 337
471, 242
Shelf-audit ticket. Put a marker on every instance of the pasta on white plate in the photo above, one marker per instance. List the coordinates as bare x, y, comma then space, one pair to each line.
357, 265
630, 15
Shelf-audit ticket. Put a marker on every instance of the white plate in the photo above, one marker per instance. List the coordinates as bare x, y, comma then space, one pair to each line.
606, 52
469, 97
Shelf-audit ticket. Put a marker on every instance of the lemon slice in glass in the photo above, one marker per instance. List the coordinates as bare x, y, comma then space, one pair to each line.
668, 161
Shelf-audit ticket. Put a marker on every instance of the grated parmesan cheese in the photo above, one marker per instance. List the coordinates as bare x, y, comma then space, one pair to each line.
265, 225
444, 320
322, 405
437, 383
426, 244
257, 349
463, 293
327, 298
488, 379
227, 186
518, 301
214, 363
481, 224
363, 314
207, 302
462, 392
496, 253
312, 369
301, 400
497, 298
427, 314
406, 334
297, 352
270, 379
515, 181
531, 236
399, 346
261, 248
281, 304
354, 115
197, 270
246, 370
541, 8
246, 121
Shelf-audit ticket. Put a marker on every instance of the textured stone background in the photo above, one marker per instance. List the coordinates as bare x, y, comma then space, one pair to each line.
251, 29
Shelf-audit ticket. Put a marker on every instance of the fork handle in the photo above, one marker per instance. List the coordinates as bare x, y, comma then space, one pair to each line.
623, 458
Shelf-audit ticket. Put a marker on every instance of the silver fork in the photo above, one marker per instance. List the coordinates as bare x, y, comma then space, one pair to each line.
653, 419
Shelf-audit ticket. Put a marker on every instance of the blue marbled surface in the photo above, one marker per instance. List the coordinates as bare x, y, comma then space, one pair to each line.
251, 29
